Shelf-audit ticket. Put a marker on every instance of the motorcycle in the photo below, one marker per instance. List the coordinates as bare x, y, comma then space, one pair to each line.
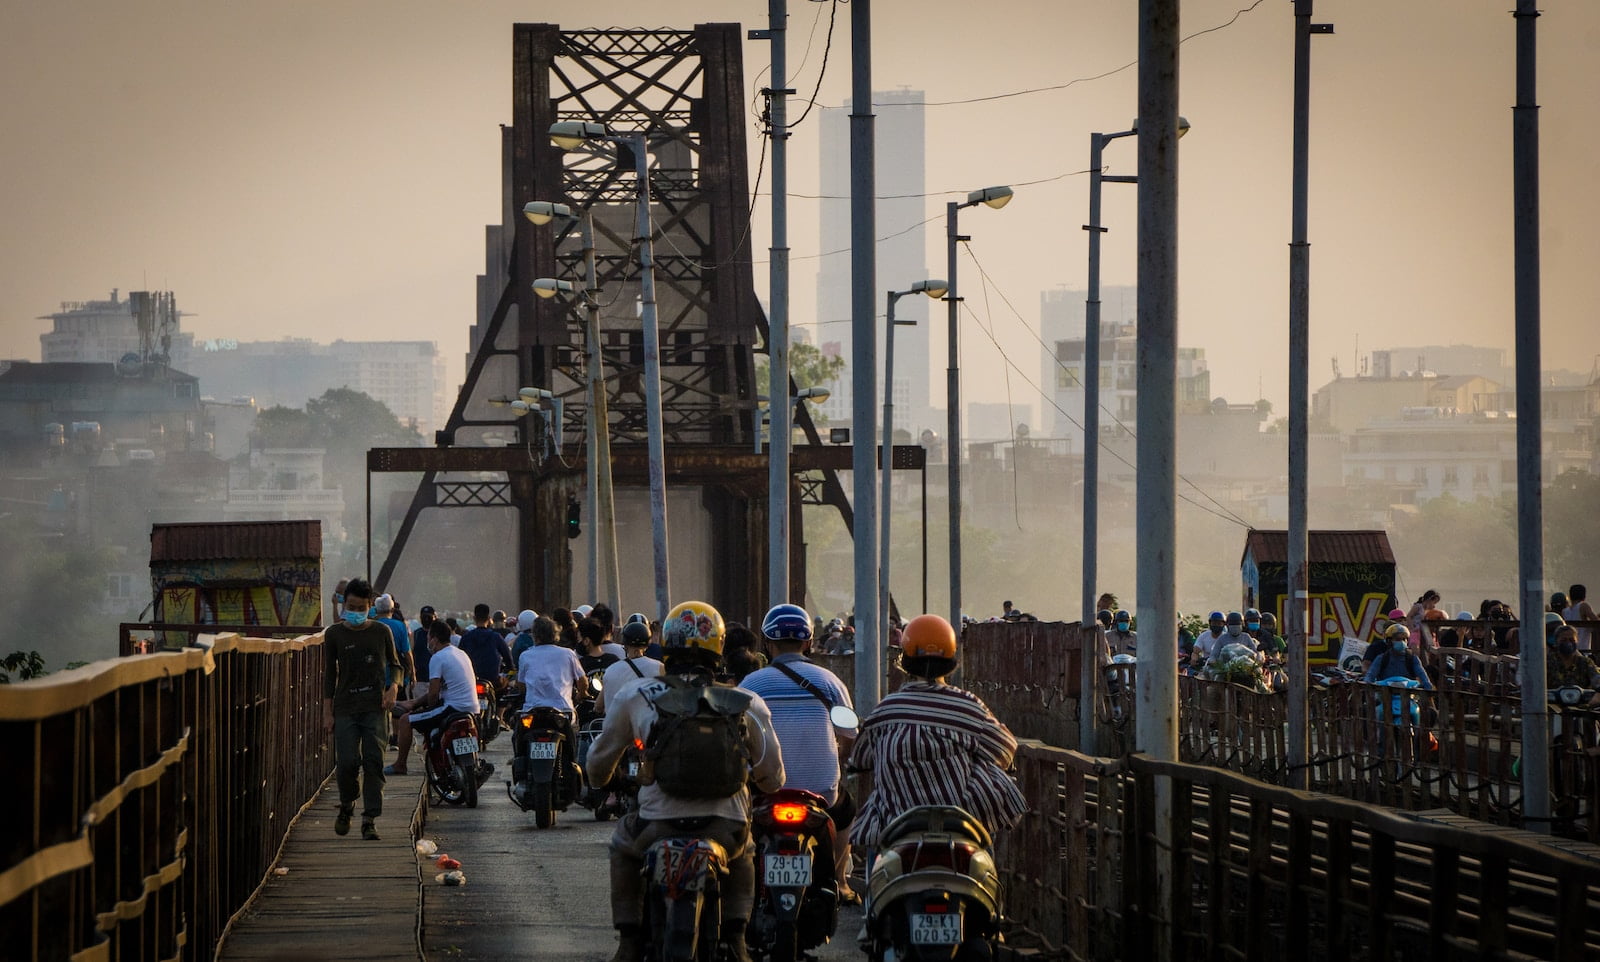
684, 873
542, 766
797, 896
490, 720
452, 764
934, 892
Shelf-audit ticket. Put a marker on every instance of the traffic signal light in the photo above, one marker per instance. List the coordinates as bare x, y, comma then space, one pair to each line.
573, 516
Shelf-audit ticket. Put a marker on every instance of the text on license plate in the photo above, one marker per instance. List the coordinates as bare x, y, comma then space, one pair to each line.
465, 746
483, 704
541, 749
930, 929
633, 769
785, 871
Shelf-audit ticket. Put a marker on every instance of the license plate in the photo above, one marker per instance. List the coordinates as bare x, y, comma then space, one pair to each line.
633, 769
930, 929
483, 704
465, 746
788, 871
542, 750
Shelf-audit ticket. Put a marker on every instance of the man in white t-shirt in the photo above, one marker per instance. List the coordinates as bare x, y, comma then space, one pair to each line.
1579, 609
452, 687
1211, 640
550, 674
633, 666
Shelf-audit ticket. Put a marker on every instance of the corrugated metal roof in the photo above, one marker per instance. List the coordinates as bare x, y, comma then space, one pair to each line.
215, 541
1324, 547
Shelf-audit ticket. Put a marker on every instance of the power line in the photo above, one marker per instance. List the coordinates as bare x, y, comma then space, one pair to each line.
827, 47
1061, 86
942, 193
1229, 516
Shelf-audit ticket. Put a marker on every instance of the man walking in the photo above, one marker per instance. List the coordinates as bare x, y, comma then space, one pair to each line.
361, 675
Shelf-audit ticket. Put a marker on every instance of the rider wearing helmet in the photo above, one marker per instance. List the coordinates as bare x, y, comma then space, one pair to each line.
930, 743
800, 694
1211, 640
635, 638
1122, 638
1398, 661
1268, 641
692, 637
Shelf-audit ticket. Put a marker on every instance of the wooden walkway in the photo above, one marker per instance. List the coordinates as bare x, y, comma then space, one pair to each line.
339, 897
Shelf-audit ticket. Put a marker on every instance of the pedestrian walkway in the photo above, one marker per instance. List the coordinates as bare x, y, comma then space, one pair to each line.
331, 896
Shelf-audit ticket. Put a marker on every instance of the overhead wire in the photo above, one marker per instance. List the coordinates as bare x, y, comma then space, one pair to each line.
827, 47
1225, 514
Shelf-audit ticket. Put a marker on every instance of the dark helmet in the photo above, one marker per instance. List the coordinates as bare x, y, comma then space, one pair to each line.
1269, 621
1251, 614
1103, 616
636, 634
787, 623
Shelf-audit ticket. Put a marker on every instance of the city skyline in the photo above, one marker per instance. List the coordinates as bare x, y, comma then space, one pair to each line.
360, 207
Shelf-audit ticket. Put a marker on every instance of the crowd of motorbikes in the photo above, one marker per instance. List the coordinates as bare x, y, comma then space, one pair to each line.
933, 891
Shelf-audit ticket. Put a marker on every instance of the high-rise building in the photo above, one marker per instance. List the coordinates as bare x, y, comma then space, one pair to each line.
100, 331
900, 174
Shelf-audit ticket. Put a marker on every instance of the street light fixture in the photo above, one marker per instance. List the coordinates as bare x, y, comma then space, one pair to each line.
934, 289
816, 395
995, 197
1091, 365
570, 135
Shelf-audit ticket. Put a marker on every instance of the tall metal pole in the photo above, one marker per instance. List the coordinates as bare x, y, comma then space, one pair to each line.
652, 375
1530, 481
1298, 580
603, 513
778, 586
1091, 389
864, 350
1157, 490
952, 446
591, 474
886, 466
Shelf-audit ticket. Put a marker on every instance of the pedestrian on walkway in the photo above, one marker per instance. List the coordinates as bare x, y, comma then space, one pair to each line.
361, 676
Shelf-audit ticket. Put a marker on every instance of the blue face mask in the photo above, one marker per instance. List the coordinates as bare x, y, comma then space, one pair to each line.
1253, 625
1398, 646
355, 619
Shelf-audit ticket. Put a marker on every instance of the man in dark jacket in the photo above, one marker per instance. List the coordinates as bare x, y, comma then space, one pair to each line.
361, 676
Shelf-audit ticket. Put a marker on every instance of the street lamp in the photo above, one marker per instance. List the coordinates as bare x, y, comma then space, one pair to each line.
816, 395
569, 135
995, 197
1091, 364
934, 289
602, 504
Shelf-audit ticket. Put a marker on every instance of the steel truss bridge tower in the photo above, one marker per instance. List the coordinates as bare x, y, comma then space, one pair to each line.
685, 88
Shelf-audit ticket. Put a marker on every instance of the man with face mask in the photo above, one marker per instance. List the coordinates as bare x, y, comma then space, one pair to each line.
1122, 638
1568, 666
361, 676
1210, 641
1398, 661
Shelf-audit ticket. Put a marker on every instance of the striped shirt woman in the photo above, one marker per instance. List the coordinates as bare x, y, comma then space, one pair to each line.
934, 744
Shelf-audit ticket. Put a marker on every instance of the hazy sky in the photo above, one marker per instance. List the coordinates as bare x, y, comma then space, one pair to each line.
324, 169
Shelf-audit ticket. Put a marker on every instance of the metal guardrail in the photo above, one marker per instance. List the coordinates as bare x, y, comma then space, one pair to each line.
151, 793
1262, 872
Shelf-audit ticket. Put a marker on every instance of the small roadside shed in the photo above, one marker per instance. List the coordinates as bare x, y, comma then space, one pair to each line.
237, 572
1351, 583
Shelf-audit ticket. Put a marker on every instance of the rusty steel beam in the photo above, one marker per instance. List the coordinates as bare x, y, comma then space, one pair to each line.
685, 463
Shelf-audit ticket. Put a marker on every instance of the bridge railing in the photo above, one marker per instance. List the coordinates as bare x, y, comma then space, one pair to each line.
150, 793
1263, 872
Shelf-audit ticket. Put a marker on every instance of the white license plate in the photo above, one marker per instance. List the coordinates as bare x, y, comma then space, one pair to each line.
483, 704
542, 750
935, 929
633, 769
787, 871
465, 746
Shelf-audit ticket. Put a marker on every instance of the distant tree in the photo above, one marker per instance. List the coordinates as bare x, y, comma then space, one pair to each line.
808, 367
1571, 513
27, 664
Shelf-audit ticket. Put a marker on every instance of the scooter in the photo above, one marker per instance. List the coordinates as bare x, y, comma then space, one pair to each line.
546, 779
452, 764
797, 896
684, 873
934, 892
488, 711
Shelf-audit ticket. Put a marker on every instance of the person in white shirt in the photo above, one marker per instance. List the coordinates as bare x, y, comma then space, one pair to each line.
1578, 609
550, 674
451, 688
633, 666
1210, 641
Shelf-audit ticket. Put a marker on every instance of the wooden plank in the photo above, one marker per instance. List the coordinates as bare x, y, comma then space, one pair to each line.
339, 890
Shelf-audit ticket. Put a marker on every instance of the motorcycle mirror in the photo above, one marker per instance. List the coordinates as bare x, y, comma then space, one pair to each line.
843, 717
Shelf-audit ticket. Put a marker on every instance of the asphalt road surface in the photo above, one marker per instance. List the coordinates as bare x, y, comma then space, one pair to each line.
534, 894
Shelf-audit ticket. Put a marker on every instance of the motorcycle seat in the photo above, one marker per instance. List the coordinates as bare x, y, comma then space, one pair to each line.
935, 818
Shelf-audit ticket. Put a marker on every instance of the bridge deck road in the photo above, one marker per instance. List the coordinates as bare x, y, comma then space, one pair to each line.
534, 894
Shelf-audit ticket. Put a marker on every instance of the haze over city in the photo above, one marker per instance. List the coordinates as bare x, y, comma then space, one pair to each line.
320, 170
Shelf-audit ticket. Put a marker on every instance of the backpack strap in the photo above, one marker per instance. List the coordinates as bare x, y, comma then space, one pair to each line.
811, 689
630, 664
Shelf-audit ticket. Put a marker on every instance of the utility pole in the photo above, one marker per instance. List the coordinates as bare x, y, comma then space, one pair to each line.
1298, 604
864, 354
1530, 480
1157, 490
778, 330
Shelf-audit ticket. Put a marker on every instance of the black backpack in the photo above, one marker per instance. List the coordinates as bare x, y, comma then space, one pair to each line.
696, 747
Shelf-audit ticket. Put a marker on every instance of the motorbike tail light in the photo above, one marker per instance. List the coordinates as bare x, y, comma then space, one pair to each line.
788, 813
480, 687
952, 855
638, 744
936, 908
527, 721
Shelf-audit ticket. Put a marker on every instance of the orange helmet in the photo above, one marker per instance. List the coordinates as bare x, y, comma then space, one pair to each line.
928, 636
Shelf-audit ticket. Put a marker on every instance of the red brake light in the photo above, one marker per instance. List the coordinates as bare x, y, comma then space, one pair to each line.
527, 721
937, 908
638, 744
956, 856
480, 687
788, 813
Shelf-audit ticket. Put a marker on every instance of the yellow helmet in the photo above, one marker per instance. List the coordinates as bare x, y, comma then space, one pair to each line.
693, 624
